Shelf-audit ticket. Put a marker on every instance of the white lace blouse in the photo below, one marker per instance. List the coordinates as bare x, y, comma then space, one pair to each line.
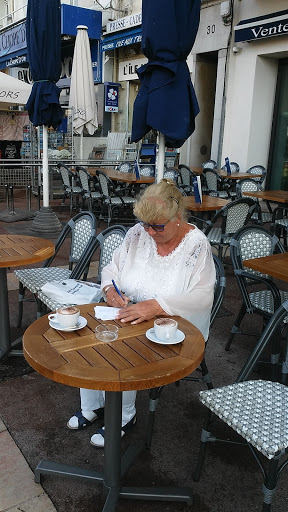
182, 282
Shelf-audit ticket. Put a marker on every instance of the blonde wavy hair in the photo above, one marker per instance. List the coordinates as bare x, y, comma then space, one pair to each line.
160, 201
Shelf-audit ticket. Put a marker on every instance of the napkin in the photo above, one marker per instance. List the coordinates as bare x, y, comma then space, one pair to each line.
106, 313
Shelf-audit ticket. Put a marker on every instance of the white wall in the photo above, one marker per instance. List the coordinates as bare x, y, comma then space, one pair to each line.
250, 101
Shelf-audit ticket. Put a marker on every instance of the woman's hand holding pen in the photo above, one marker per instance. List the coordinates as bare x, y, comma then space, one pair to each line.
137, 313
115, 300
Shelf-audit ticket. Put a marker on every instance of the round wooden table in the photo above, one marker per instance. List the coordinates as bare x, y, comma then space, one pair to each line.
131, 362
16, 250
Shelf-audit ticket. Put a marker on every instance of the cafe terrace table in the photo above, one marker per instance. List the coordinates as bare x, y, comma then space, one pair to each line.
223, 174
16, 250
209, 203
275, 196
131, 362
275, 265
125, 177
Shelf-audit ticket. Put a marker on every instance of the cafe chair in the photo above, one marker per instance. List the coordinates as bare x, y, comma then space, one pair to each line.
231, 217
79, 231
89, 193
170, 174
146, 170
70, 186
257, 410
215, 185
126, 167
185, 179
233, 166
209, 164
250, 185
260, 295
106, 242
279, 223
257, 169
154, 394
111, 199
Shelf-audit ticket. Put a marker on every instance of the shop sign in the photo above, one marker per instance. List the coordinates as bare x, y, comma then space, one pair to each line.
13, 40
111, 97
119, 43
128, 69
253, 29
124, 23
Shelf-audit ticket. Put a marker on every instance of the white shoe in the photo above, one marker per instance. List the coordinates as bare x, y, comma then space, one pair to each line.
82, 419
98, 439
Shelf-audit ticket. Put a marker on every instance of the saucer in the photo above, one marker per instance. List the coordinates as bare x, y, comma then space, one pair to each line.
81, 323
180, 336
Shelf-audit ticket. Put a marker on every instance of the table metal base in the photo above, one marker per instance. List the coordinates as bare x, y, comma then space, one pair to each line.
115, 466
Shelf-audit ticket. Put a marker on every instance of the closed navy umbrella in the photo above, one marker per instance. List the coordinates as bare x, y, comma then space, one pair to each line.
43, 32
166, 100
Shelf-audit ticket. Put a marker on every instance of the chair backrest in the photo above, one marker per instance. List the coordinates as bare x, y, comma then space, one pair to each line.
252, 242
212, 179
257, 169
219, 288
146, 170
247, 185
81, 229
233, 166
209, 164
106, 185
185, 175
170, 174
84, 178
125, 167
109, 240
66, 175
234, 215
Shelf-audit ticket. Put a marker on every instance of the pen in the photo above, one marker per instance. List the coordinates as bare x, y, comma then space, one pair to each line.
117, 289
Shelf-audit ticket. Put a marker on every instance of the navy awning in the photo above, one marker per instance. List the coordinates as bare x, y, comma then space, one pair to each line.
121, 39
270, 25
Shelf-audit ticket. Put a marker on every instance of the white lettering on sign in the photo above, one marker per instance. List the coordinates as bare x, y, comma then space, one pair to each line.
271, 31
124, 23
128, 69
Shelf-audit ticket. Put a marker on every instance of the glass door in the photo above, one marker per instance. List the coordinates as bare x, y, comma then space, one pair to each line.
279, 140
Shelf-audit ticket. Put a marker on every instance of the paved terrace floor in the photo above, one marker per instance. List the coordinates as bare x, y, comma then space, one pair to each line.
34, 412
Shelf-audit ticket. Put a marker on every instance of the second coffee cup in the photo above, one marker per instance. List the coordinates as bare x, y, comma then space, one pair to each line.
165, 329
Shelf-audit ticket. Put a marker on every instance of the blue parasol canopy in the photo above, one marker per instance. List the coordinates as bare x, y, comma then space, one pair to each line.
43, 32
166, 100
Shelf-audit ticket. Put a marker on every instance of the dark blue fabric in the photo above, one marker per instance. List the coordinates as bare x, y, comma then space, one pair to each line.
43, 32
166, 100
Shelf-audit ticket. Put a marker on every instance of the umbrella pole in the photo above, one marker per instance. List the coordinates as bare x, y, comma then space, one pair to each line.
160, 157
45, 168
46, 221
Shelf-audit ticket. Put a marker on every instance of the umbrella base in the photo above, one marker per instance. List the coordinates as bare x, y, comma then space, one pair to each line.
15, 215
46, 221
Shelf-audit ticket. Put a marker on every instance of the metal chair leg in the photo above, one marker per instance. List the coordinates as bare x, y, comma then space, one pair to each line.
235, 328
269, 486
205, 437
154, 395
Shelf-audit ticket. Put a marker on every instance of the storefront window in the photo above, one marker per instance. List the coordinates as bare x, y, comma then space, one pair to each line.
279, 141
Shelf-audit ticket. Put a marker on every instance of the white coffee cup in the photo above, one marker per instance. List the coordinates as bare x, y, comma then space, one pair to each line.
66, 316
165, 329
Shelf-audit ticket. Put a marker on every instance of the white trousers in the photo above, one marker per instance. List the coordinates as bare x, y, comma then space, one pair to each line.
92, 399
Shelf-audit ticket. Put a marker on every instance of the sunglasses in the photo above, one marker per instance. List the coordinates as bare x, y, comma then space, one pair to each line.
156, 227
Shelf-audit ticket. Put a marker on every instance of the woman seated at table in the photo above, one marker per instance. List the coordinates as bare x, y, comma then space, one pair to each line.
164, 267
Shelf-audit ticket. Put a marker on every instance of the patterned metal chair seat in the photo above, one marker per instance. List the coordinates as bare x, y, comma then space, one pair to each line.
257, 411
244, 407
81, 229
108, 241
233, 216
254, 241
